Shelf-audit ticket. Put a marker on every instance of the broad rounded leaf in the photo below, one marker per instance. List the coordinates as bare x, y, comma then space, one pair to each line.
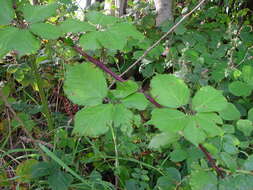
125, 30
74, 25
46, 31
239, 88
125, 89
6, 12
193, 132
247, 74
85, 84
90, 41
60, 180
245, 126
37, 13
248, 164
93, 121
122, 117
229, 161
22, 41
168, 120
250, 114
136, 101
24, 170
178, 155
168, 90
101, 19
208, 99
203, 180
230, 112
163, 139
206, 122
111, 40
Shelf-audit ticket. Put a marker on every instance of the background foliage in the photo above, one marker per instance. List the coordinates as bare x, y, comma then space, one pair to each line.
179, 120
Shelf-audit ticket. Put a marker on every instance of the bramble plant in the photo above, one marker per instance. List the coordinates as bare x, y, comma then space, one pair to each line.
118, 103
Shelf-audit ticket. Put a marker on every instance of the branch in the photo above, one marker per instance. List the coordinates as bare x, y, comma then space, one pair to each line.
211, 160
98, 63
201, 147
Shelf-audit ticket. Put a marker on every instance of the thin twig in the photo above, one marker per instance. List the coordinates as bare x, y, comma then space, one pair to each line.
158, 41
16, 117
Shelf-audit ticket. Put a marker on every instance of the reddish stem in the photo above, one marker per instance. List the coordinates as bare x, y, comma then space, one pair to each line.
152, 100
98, 63
211, 160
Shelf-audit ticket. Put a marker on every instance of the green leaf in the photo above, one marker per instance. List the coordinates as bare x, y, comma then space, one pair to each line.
6, 12
250, 114
239, 88
24, 170
228, 128
74, 25
46, 31
168, 90
193, 133
229, 161
111, 40
247, 74
125, 30
60, 180
163, 139
170, 181
42, 169
93, 121
90, 41
38, 13
230, 112
207, 122
125, 89
61, 163
178, 155
85, 85
25, 118
101, 19
208, 99
22, 41
136, 101
123, 118
236, 182
248, 164
203, 180
245, 126
168, 120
